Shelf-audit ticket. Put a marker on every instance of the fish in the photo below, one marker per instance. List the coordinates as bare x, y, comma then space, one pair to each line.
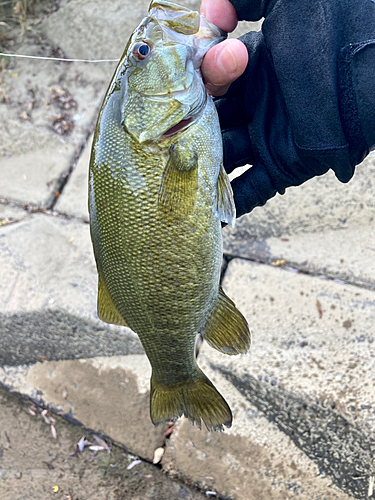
158, 193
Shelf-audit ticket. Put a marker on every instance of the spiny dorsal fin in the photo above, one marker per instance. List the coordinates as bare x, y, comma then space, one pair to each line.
107, 311
226, 329
225, 207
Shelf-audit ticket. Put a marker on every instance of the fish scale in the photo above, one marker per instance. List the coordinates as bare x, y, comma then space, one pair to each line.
156, 201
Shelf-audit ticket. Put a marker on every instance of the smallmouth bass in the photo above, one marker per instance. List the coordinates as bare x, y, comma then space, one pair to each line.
157, 193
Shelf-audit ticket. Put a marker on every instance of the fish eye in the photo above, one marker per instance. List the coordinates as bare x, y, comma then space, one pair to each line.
141, 51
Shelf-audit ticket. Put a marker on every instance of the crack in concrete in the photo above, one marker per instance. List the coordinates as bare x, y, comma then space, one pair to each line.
35, 209
341, 450
65, 177
294, 268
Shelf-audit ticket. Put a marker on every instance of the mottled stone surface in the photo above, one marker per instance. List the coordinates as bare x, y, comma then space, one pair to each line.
303, 398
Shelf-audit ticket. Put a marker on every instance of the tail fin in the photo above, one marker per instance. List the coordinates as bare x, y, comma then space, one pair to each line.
198, 400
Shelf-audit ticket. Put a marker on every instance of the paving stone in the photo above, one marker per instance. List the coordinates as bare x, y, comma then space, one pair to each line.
346, 255
48, 312
107, 394
110, 25
319, 205
10, 214
74, 199
34, 464
32, 156
311, 335
307, 382
322, 227
49, 156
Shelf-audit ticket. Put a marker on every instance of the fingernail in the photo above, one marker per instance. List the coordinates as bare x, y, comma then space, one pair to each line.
227, 60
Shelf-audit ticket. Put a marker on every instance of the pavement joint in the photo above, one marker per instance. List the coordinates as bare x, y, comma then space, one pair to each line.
292, 267
36, 209
66, 176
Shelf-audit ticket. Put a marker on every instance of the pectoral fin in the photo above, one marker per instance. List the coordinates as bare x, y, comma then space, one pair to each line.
225, 207
179, 183
226, 329
107, 311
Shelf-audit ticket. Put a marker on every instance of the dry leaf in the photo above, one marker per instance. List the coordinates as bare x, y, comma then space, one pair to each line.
101, 442
24, 116
96, 448
277, 263
158, 453
17, 8
133, 464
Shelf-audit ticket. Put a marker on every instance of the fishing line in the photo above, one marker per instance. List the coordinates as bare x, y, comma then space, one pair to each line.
60, 58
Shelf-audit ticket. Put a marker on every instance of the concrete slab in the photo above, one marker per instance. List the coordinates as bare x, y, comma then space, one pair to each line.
307, 382
10, 214
106, 394
48, 155
74, 198
48, 312
37, 466
322, 228
345, 255
42, 96
319, 205
110, 25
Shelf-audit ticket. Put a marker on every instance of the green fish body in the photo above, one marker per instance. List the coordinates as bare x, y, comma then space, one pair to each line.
157, 193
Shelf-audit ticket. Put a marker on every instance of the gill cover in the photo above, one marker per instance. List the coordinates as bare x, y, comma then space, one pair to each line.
161, 76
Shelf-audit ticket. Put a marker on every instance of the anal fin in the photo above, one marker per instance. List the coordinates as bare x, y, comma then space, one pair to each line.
107, 311
225, 207
226, 329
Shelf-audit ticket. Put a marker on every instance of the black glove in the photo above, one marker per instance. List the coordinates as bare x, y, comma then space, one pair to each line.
306, 102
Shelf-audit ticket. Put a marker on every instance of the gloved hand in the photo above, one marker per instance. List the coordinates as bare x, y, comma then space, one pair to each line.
304, 103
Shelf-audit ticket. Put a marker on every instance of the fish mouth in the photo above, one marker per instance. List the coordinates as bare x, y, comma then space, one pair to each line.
179, 127
185, 123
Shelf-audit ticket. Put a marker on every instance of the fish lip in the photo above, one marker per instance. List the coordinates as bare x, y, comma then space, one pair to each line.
185, 123
179, 127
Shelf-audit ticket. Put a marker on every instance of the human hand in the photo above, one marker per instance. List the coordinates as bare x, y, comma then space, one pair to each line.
287, 95
224, 62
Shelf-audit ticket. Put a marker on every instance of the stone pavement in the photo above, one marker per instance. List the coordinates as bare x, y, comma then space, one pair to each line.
301, 269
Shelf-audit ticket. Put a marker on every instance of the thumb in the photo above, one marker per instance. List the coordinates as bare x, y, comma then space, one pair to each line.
223, 64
